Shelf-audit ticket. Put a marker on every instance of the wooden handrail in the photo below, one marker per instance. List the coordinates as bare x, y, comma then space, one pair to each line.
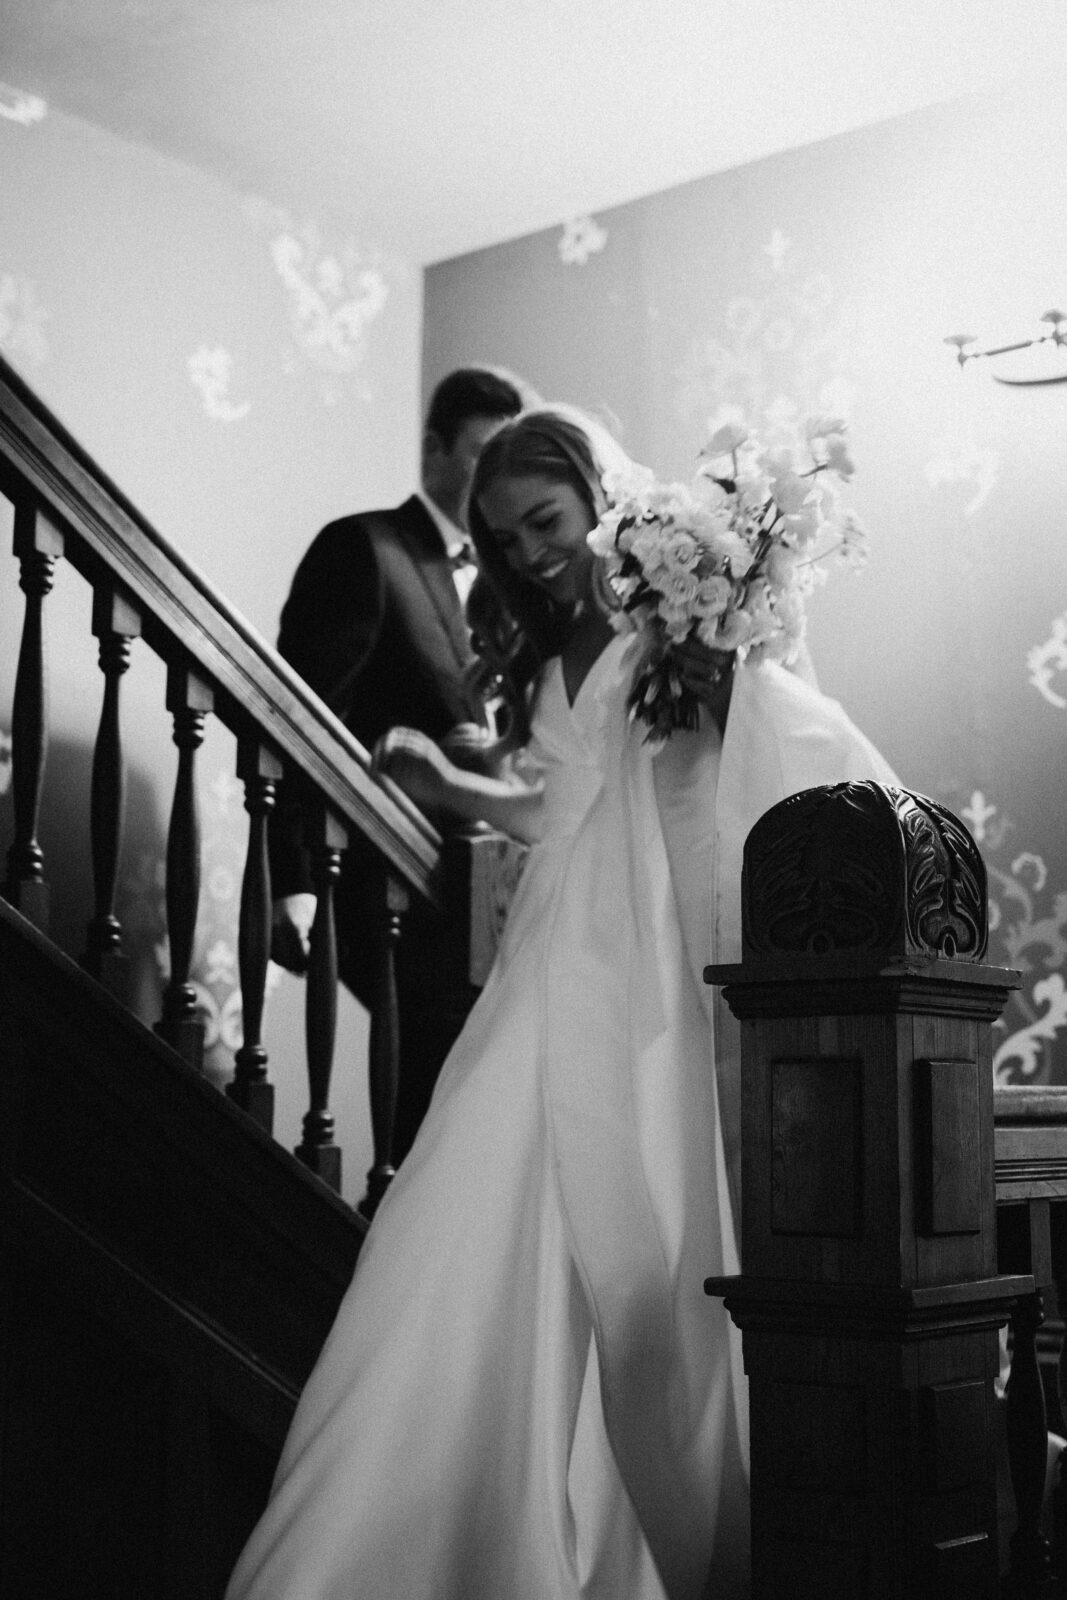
256, 690
217, 665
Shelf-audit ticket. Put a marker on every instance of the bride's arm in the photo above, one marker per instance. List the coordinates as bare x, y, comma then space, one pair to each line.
418, 766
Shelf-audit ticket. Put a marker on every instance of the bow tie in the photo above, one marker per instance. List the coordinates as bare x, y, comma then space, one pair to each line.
463, 556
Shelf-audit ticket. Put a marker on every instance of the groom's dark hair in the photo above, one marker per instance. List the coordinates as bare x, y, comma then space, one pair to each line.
474, 392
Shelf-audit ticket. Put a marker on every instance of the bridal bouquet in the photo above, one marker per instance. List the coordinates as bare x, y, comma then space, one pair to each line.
728, 559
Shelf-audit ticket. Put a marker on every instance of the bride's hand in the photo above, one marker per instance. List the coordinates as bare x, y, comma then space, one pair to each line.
415, 764
707, 673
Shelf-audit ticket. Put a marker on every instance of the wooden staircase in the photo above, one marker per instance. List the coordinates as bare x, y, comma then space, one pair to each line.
167, 1276
167, 1271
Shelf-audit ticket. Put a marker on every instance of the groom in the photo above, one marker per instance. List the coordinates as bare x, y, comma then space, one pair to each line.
374, 623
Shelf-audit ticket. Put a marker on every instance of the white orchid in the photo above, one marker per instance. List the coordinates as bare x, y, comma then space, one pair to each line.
838, 458
727, 438
789, 490
823, 427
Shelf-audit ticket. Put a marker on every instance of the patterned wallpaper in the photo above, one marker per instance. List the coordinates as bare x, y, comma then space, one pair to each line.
827, 279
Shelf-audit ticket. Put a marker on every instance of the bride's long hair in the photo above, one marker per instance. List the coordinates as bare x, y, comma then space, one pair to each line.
515, 625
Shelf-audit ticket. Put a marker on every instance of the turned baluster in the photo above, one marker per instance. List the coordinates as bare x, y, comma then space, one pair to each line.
1027, 1450
1024, 1243
37, 546
116, 624
384, 1045
189, 700
1058, 1231
317, 1149
259, 769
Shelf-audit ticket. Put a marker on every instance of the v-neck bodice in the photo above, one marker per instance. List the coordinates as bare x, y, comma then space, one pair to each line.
574, 744
585, 712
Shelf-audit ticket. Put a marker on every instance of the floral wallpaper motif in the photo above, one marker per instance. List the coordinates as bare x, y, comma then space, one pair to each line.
22, 319
784, 349
210, 368
581, 238
1046, 660
333, 295
958, 459
18, 106
1027, 931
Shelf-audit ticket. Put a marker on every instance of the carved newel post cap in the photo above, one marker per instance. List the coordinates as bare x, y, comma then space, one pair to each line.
866, 871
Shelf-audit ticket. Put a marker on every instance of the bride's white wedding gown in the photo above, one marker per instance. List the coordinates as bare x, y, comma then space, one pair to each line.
526, 1394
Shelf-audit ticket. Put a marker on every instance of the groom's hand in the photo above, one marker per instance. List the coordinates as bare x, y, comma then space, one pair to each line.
290, 940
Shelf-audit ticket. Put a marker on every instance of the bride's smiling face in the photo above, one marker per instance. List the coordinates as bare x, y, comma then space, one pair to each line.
541, 526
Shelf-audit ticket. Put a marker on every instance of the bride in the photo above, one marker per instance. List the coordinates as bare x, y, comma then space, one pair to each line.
526, 1394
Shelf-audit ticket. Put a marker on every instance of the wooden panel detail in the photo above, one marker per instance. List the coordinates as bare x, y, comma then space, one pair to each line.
167, 1277
816, 1147
956, 1441
820, 1433
948, 1147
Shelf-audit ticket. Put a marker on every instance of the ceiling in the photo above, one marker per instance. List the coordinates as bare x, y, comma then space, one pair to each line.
435, 127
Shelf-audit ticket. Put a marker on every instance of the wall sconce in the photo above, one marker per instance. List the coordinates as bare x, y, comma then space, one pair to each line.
1057, 335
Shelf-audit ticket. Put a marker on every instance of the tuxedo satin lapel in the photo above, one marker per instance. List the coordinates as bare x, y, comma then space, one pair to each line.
423, 542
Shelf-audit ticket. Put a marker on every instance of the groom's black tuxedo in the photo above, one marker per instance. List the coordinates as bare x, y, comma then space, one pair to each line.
374, 624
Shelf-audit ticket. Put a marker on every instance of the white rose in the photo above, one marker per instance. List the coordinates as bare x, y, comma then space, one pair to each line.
682, 589
682, 551
713, 595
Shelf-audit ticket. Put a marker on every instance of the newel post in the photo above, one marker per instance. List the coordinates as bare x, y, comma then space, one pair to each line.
870, 1302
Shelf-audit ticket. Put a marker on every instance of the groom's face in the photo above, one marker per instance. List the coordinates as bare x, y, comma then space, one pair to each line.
447, 471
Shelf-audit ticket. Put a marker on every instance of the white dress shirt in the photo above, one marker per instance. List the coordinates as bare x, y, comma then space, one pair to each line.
454, 540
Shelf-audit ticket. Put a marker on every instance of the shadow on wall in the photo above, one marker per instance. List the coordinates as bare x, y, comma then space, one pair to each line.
63, 835
140, 896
